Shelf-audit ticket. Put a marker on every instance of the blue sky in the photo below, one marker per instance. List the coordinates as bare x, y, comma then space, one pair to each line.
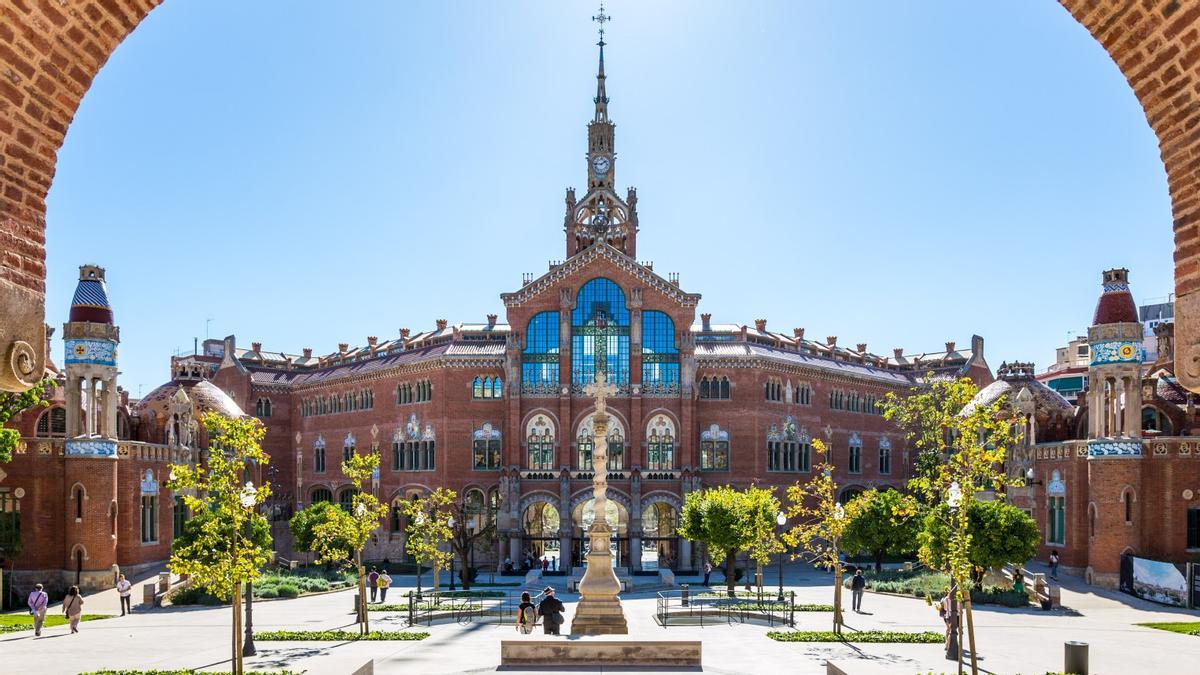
899, 174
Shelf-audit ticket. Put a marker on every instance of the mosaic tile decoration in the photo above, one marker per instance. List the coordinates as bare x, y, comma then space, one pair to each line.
1117, 351
90, 352
1114, 448
91, 447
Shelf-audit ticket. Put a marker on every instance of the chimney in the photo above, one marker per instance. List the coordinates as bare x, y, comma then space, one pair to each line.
491, 320
343, 347
831, 341
949, 346
706, 321
308, 352
441, 324
1165, 332
862, 347
404, 333
798, 333
898, 352
372, 340
256, 346
760, 325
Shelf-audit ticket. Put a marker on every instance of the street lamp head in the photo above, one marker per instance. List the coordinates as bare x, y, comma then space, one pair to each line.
780, 519
954, 495
248, 495
839, 512
361, 510
450, 522
1029, 474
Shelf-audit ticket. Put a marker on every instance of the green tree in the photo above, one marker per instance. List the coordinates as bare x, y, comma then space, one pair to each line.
1001, 534
728, 520
881, 522
471, 522
304, 523
429, 530
341, 534
819, 522
11, 404
223, 553
968, 442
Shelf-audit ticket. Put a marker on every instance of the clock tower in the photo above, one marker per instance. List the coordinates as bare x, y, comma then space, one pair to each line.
601, 216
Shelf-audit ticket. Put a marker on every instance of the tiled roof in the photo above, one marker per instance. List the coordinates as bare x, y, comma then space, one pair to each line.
718, 350
294, 378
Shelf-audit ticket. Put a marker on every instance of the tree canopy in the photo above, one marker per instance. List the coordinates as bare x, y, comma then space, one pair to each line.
881, 522
1001, 534
730, 520
13, 403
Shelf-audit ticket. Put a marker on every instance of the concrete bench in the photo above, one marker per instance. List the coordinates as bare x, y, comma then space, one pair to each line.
605, 652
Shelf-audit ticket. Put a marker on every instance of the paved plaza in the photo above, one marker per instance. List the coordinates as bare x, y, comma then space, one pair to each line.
1011, 641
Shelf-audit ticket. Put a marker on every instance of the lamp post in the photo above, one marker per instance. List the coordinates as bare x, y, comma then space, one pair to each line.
953, 650
420, 521
247, 499
839, 514
453, 535
781, 520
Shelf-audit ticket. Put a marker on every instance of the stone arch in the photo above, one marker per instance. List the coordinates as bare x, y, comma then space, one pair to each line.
57, 51
76, 550
585, 494
530, 421
653, 419
663, 497
540, 496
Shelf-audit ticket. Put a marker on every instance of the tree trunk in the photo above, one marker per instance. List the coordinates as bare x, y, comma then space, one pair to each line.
879, 561
837, 597
466, 569
971, 634
237, 630
363, 625
730, 571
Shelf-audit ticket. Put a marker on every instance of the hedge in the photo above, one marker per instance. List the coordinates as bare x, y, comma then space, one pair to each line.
926, 637
335, 635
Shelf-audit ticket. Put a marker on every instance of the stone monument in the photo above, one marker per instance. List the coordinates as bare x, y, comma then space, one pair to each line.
599, 610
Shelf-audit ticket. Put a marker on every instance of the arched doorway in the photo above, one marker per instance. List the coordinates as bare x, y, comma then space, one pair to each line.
540, 524
660, 540
582, 517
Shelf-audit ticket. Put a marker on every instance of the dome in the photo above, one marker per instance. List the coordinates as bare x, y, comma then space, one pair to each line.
90, 302
1016, 381
204, 396
1116, 302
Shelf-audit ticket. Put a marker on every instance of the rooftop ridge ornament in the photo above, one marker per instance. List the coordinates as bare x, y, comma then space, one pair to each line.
601, 99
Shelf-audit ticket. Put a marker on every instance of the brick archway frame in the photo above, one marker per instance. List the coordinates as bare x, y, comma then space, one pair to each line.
50, 50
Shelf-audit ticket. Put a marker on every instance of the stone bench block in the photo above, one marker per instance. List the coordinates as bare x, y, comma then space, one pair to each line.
581, 653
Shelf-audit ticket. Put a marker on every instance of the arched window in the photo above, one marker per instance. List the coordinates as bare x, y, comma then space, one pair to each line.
585, 445
803, 394
399, 523
1056, 503
724, 390
262, 408
1128, 496
319, 455
704, 390
714, 449
600, 333
477, 387
539, 363
77, 497
660, 357
714, 387
497, 387
346, 498
854, 465
1154, 420
349, 446
660, 444
52, 422
789, 448
486, 448
539, 444
179, 516
885, 456
321, 495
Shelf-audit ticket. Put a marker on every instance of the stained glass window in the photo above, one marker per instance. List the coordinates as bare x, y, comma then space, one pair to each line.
600, 333
660, 358
540, 361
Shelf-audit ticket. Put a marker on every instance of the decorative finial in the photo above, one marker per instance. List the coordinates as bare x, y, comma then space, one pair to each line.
601, 19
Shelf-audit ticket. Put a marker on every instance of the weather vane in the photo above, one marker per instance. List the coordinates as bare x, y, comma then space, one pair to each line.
602, 19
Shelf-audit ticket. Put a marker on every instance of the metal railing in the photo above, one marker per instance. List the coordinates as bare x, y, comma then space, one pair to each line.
704, 607
462, 607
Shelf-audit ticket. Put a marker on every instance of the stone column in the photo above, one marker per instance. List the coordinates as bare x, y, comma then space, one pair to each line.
566, 525
635, 522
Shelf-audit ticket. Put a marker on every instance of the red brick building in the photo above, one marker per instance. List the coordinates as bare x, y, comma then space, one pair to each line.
1120, 473
81, 495
495, 409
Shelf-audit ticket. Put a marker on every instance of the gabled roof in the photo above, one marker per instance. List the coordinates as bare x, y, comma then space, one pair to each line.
599, 250
743, 350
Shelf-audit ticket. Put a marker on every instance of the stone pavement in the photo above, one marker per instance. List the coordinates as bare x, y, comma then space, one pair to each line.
1010, 640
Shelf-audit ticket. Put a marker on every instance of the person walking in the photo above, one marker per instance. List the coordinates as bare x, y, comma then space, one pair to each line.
857, 585
1054, 563
526, 614
124, 590
551, 610
73, 607
554, 563
545, 564
38, 601
707, 571
384, 581
372, 580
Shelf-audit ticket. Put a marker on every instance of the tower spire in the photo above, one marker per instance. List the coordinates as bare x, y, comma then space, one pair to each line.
601, 97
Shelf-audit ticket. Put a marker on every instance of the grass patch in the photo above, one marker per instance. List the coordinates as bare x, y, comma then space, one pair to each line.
1182, 627
336, 635
12, 623
879, 636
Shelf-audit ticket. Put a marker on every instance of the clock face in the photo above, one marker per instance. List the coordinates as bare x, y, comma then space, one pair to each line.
601, 165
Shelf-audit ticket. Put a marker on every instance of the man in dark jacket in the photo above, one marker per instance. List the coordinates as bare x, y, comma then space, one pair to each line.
551, 609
